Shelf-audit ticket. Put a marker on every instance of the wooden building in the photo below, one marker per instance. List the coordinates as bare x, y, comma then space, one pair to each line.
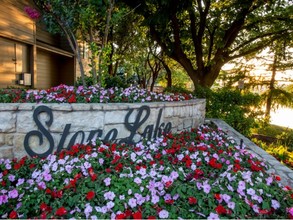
29, 55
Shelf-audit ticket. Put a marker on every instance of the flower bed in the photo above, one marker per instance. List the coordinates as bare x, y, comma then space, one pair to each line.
191, 175
91, 94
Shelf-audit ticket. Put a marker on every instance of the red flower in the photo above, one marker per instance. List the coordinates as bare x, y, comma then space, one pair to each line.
192, 200
61, 211
43, 206
220, 210
278, 178
120, 216
5, 172
137, 215
217, 196
119, 167
31, 166
108, 170
72, 99
90, 195
13, 214
168, 184
128, 213
264, 211
152, 162
43, 215
17, 166
94, 177
170, 202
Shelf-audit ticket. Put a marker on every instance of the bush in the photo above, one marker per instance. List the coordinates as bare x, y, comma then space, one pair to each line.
89, 81
281, 152
115, 81
239, 110
176, 89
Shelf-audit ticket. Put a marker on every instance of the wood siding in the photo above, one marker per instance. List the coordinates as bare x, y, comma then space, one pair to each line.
28, 48
53, 69
15, 23
14, 60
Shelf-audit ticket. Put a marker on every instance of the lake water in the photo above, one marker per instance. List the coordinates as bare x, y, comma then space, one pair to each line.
282, 117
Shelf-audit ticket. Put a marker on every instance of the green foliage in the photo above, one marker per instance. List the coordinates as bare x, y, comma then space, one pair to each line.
115, 81
89, 80
286, 138
283, 153
204, 35
238, 109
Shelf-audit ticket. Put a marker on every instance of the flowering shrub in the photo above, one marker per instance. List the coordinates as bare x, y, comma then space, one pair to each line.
91, 94
32, 13
191, 175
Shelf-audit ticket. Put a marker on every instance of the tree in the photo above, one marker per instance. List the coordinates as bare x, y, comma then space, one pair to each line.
203, 35
59, 16
281, 60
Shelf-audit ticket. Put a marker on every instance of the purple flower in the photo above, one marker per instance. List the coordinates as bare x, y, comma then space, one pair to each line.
11, 178
206, 187
255, 208
20, 182
109, 195
142, 171
101, 161
231, 205
199, 185
137, 180
42, 185
3, 199
176, 196
47, 176
226, 197
88, 209
18, 205
68, 168
241, 185
163, 214
13, 194
251, 191
107, 181
269, 180
132, 202
155, 199
87, 165
167, 197
174, 175
110, 205
275, 204
213, 216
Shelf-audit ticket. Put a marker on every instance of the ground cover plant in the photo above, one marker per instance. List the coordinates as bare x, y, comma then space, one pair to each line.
90, 94
198, 174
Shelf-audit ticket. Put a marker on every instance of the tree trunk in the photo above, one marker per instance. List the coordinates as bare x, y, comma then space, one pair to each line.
110, 66
78, 56
168, 75
93, 59
271, 88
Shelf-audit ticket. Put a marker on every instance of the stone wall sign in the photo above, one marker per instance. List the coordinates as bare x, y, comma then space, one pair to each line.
41, 129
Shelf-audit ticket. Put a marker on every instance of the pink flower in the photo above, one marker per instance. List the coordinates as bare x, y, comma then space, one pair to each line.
32, 13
